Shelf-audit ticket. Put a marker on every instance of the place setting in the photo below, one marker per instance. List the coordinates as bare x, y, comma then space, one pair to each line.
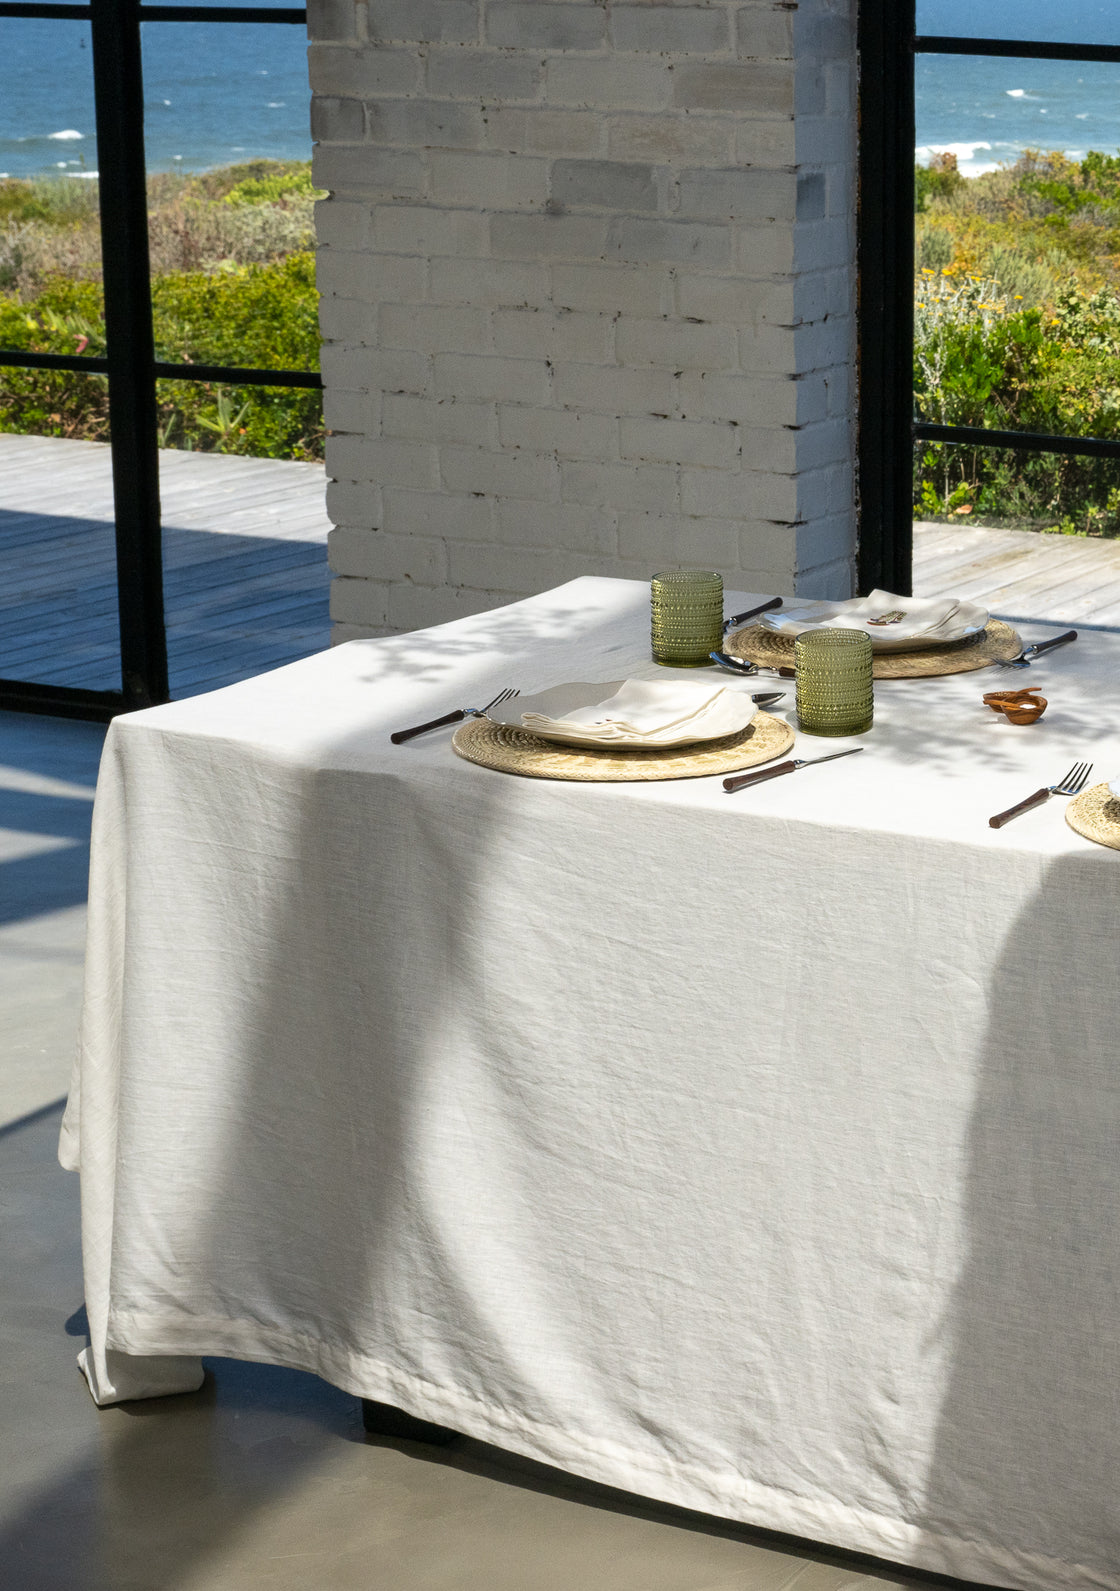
625, 730
911, 637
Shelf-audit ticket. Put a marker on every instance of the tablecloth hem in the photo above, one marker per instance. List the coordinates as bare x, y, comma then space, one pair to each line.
731, 1497
114, 1377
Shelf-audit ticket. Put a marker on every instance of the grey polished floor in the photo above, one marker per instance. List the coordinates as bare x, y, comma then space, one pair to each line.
262, 1479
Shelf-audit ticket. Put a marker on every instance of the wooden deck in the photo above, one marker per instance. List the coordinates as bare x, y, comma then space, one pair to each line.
246, 577
1021, 574
246, 581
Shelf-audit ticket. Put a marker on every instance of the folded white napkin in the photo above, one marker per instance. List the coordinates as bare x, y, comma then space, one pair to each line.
925, 617
651, 712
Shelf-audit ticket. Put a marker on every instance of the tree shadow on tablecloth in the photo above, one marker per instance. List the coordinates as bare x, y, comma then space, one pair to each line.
1027, 1449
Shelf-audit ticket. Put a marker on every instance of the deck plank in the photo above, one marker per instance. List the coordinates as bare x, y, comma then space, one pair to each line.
1021, 574
246, 581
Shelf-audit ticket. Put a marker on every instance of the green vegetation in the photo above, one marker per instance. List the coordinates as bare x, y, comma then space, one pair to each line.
233, 283
1017, 327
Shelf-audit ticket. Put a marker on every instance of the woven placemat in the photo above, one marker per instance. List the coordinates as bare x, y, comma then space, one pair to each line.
1095, 813
516, 751
995, 644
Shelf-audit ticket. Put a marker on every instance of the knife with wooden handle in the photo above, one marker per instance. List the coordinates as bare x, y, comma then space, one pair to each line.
740, 781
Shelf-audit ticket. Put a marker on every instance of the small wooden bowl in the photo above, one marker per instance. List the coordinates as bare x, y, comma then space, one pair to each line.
1020, 707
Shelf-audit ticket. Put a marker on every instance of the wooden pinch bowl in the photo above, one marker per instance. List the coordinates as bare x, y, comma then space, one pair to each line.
1020, 707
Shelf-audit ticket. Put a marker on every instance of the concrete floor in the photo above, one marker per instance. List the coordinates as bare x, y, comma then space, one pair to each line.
262, 1479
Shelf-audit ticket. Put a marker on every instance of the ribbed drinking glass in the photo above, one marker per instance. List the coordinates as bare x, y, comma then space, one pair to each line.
686, 613
835, 693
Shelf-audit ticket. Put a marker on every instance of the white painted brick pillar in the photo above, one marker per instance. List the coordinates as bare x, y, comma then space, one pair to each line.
587, 276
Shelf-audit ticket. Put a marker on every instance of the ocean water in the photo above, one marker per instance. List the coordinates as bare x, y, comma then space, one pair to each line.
987, 110
218, 93
215, 94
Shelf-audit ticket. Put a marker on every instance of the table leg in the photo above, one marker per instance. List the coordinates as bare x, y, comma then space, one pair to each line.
382, 1419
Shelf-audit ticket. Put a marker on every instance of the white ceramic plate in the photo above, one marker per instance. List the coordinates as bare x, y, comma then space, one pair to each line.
923, 624
730, 713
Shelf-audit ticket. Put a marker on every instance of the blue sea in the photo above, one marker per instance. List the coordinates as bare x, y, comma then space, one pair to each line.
988, 110
219, 93
215, 94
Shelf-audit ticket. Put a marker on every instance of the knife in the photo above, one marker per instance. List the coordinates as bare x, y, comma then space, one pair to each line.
740, 781
1030, 654
751, 613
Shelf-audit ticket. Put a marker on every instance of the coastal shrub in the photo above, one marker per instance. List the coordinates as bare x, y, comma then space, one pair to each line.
933, 248
240, 215
1019, 329
1020, 277
258, 316
939, 180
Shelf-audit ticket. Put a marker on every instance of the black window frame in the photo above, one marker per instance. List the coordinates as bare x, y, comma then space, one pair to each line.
130, 363
888, 427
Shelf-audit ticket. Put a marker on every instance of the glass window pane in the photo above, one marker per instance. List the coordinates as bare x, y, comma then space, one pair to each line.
1031, 535
58, 602
988, 111
231, 234
223, 93
58, 598
231, 215
246, 581
1073, 22
1017, 292
1015, 489
50, 232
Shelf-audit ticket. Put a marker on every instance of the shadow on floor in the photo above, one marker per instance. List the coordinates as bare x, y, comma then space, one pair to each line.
236, 605
48, 771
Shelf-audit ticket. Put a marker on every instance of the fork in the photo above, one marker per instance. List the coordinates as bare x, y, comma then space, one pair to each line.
1072, 784
453, 718
1031, 654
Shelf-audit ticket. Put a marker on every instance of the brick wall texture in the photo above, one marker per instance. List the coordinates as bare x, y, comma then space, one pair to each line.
587, 277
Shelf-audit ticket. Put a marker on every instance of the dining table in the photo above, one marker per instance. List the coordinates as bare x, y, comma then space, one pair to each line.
754, 1152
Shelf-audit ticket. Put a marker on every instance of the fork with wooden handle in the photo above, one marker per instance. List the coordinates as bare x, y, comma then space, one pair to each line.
1072, 784
456, 717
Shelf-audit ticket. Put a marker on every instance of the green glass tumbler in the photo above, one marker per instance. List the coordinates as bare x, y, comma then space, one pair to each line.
835, 692
686, 617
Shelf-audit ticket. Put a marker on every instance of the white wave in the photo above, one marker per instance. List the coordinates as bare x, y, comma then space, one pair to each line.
275, 104
962, 151
1081, 116
67, 132
88, 176
970, 161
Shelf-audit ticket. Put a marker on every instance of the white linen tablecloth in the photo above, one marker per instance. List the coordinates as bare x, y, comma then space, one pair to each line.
758, 1153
